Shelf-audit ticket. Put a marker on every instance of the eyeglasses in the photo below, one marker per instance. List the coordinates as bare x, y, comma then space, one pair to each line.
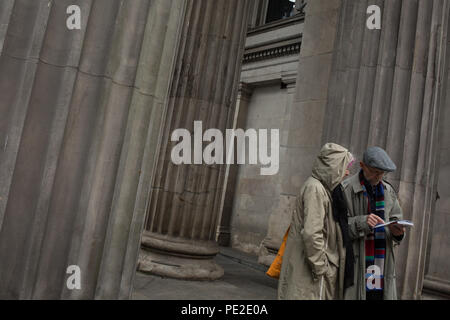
375, 171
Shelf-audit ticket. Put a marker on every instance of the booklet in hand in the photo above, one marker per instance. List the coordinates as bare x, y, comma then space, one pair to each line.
405, 223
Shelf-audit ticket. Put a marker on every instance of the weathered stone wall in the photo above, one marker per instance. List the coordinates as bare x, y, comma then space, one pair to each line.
257, 196
255, 209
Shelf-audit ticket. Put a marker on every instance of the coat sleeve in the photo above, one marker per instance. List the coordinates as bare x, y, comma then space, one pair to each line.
313, 225
357, 223
395, 214
358, 227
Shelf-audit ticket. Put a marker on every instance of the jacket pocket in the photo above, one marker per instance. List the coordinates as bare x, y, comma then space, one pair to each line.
332, 271
332, 258
333, 265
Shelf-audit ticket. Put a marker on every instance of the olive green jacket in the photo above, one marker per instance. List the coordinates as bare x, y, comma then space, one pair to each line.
314, 253
358, 229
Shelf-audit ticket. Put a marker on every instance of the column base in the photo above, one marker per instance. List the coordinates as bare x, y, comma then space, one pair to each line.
179, 258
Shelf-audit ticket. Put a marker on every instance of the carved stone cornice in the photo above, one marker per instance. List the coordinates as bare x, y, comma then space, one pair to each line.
273, 49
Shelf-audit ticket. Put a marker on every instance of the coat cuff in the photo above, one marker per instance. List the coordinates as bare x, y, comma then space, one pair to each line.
362, 227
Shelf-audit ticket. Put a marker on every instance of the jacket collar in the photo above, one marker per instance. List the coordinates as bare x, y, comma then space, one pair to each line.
356, 184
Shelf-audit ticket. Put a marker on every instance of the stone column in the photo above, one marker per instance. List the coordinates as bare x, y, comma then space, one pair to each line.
386, 91
180, 232
437, 274
305, 120
80, 121
257, 14
313, 80
306, 115
420, 158
5, 15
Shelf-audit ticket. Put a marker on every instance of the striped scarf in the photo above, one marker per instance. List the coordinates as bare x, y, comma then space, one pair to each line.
375, 243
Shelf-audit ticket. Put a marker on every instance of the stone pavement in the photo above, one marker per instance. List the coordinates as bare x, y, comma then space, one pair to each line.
244, 279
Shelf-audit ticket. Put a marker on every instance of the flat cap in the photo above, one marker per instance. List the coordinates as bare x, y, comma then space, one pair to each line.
376, 157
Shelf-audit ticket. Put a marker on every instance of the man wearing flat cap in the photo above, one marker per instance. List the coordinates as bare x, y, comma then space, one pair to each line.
370, 263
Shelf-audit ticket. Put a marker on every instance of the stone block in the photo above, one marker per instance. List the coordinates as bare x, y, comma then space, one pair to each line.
320, 6
298, 170
313, 78
246, 241
319, 34
306, 126
259, 186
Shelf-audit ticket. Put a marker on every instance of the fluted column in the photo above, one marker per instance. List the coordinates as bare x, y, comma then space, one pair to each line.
437, 278
180, 232
386, 91
420, 158
80, 123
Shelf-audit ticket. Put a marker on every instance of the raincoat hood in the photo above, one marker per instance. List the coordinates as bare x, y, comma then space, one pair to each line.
331, 164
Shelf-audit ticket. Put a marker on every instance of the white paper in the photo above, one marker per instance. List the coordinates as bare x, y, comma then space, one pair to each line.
405, 223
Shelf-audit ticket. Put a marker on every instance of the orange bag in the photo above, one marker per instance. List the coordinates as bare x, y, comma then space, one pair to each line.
275, 267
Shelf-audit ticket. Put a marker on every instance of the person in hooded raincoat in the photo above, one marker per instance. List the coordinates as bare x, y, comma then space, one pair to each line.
314, 257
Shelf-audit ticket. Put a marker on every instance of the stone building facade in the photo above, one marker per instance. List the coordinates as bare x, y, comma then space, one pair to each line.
86, 177
255, 204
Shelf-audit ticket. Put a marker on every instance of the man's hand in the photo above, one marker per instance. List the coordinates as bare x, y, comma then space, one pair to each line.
373, 220
396, 229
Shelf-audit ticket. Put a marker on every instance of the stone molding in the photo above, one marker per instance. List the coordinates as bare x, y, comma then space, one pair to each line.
436, 285
179, 246
274, 50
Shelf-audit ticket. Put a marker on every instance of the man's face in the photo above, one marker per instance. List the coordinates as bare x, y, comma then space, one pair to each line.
373, 175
